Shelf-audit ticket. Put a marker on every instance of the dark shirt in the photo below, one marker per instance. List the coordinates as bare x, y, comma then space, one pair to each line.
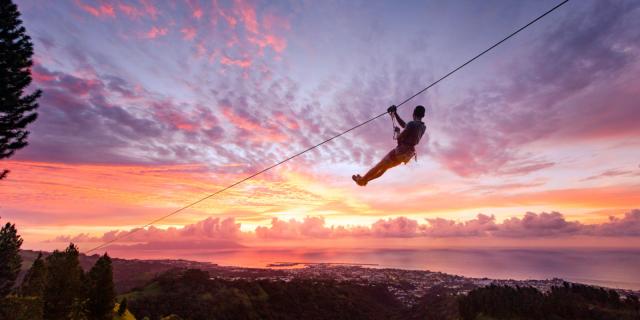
412, 133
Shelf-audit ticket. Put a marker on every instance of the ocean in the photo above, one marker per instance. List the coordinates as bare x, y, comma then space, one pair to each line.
603, 267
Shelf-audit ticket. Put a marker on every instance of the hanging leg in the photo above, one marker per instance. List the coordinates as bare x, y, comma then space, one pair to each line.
375, 172
378, 170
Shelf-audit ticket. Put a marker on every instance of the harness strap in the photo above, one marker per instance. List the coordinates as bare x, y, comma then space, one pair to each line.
393, 122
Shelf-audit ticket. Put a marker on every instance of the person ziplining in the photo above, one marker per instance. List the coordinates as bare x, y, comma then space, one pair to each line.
407, 141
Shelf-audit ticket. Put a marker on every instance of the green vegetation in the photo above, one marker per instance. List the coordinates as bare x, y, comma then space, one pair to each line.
571, 301
101, 293
35, 280
20, 308
63, 292
10, 259
191, 294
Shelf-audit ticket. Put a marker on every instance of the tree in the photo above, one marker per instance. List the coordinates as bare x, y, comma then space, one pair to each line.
17, 108
101, 292
35, 279
63, 293
78, 310
10, 260
122, 308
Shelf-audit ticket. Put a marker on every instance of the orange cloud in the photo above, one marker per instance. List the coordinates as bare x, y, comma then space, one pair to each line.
89, 194
55, 194
415, 201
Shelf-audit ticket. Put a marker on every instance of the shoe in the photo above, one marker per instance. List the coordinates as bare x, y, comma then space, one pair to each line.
358, 179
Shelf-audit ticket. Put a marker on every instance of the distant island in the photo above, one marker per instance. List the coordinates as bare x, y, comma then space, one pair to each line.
294, 264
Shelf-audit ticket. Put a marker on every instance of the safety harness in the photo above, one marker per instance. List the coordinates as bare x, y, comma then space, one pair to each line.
396, 132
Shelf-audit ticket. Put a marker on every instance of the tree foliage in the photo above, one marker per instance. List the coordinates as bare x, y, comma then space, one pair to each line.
17, 108
570, 301
54, 288
34, 280
64, 285
10, 260
101, 292
191, 294
20, 308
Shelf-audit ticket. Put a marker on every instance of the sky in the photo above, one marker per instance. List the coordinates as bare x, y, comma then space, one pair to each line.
149, 106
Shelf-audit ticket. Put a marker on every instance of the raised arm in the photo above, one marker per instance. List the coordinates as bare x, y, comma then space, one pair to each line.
392, 110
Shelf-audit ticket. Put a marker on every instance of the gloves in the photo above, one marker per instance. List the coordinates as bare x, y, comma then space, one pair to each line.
396, 129
392, 109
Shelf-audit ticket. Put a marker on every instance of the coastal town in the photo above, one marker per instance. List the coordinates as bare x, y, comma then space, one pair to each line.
408, 286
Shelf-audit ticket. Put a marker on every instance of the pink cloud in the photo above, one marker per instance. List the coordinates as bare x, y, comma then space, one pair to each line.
251, 128
188, 33
263, 33
210, 228
81, 86
286, 120
277, 43
309, 227
242, 63
482, 225
149, 8
156, 32
629, 225
271, 22
531, 225
103, 108
248, 15
197, 13
213, 228
169, 244
102, 10
397, 227
130, 10
199, 120
614, 173
196, 9
218, 10
539, 225
40, 74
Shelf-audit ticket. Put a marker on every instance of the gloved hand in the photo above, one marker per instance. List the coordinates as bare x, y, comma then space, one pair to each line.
392, 109
396, 129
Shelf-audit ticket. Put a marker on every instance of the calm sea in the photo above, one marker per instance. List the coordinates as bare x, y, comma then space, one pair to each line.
604, 267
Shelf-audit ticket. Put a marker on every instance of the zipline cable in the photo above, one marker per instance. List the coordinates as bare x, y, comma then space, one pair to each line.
124, 235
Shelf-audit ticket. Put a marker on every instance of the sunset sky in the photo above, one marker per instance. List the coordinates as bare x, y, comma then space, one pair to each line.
151, 105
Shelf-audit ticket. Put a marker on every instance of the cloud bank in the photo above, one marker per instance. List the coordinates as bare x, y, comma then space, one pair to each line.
531, 225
